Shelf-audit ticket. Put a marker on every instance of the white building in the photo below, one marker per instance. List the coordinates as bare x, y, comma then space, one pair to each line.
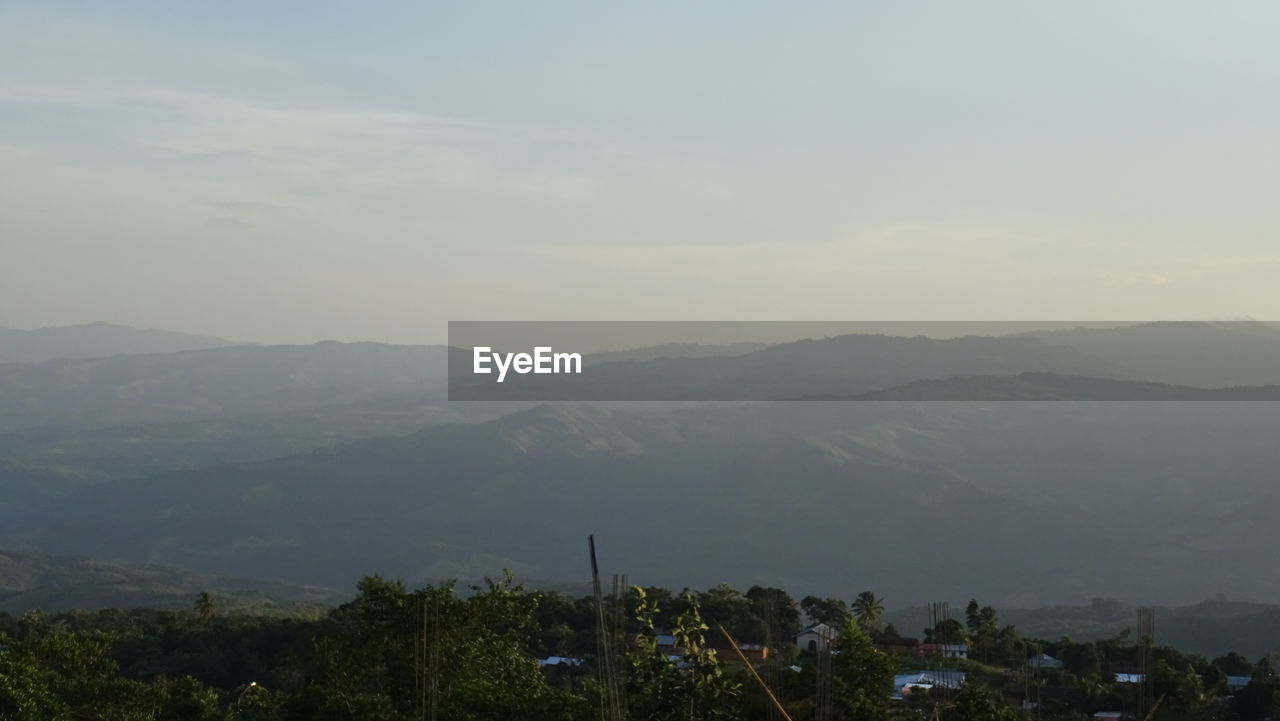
559, 661
905, 684
945, 650
817, 637
1044, 660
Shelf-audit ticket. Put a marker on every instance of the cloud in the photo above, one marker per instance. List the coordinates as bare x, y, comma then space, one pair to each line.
314, 148
228, 224
1129, 278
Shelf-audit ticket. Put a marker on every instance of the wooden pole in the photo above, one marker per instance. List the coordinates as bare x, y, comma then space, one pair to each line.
752, 669
1153, 708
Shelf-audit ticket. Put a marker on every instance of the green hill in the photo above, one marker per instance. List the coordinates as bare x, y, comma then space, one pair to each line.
1024, 504
59, 583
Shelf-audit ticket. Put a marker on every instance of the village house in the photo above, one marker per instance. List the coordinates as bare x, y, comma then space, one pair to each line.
925, 681
815, 638
1044, 660
945, 650
559, 661
1235, 683
1027, 698
897, 645
752, 651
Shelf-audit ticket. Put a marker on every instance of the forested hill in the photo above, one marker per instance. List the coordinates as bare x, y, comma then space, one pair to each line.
1194, 355
59, 583
1168, 502
1057, 387
96, 340
237, 380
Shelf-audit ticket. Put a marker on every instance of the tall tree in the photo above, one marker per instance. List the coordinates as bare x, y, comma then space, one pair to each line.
831, 611
776, 611
25, 694
973, 616
724, 605
205, 606
977, 703
862, 676
868, 610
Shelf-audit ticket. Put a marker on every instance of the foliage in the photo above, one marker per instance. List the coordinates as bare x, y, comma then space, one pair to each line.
976, 703
25, 694
869, 610
394, 654
205, 606
831, 611
695, 688
862, 676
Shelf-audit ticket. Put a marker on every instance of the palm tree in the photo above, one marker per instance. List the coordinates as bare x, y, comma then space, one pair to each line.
205, 607
868, 610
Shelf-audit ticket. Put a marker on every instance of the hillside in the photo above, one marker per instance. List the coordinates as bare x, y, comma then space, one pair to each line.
25, 487
1186, 355
141, 449
842, 365
1049, 502
96, 340
1057, 387
59, 583
168, 387
1211, 628
1203, 354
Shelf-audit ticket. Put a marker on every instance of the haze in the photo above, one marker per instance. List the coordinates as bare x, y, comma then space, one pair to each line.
285, 172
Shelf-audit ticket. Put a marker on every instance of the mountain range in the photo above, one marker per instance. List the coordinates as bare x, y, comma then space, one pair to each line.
1194, 355
318, 464
1023, 504
96, 340
63, 583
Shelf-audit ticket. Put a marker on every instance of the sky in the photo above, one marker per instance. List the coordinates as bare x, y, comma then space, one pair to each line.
296, 171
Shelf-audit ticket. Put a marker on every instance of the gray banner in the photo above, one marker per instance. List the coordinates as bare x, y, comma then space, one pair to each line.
864, 361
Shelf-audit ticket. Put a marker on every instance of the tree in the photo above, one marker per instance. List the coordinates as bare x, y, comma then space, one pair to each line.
253, 702
973, 615
977, 703
1183, 691
1010, 646
947, 631
186, 700
473, 653
652, 682
81, 676
724, 605
869, 610
1259, 700
1233, 664
205, 607
862, 676
661, 690
831, 611
778, 617
24, 693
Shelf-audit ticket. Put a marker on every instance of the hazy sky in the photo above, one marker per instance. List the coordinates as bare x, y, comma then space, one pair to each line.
277, 171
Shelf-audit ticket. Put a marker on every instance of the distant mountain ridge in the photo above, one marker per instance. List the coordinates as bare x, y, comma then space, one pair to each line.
97, 340
259, 461
161, 387
1055, 387
61, 583
1205, 354
846, 365
1049, 502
